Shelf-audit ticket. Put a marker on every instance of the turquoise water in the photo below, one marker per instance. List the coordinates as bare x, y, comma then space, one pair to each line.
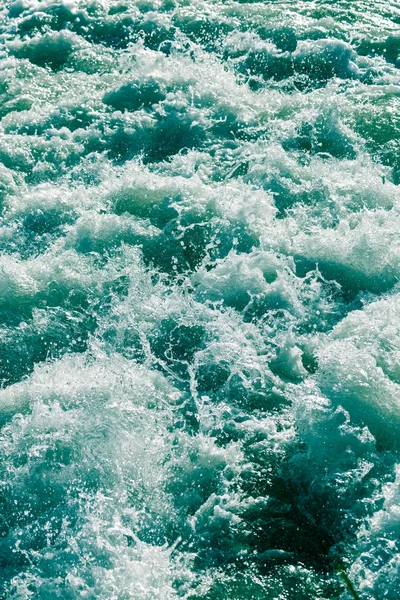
199, 299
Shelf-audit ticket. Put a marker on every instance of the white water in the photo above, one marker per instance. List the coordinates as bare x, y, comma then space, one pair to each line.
199, 301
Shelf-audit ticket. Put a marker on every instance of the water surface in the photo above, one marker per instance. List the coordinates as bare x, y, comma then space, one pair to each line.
199, 299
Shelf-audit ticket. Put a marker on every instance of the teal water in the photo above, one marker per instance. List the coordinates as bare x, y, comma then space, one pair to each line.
199, 299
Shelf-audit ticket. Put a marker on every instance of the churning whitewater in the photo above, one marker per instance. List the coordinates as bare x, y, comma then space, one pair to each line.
199, 299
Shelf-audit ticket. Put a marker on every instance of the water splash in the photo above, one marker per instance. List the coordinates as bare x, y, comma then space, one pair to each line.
199, 299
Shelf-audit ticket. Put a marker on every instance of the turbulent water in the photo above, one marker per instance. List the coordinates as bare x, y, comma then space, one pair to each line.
199, 299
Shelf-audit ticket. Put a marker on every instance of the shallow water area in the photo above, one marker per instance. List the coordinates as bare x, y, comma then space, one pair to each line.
199, 299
